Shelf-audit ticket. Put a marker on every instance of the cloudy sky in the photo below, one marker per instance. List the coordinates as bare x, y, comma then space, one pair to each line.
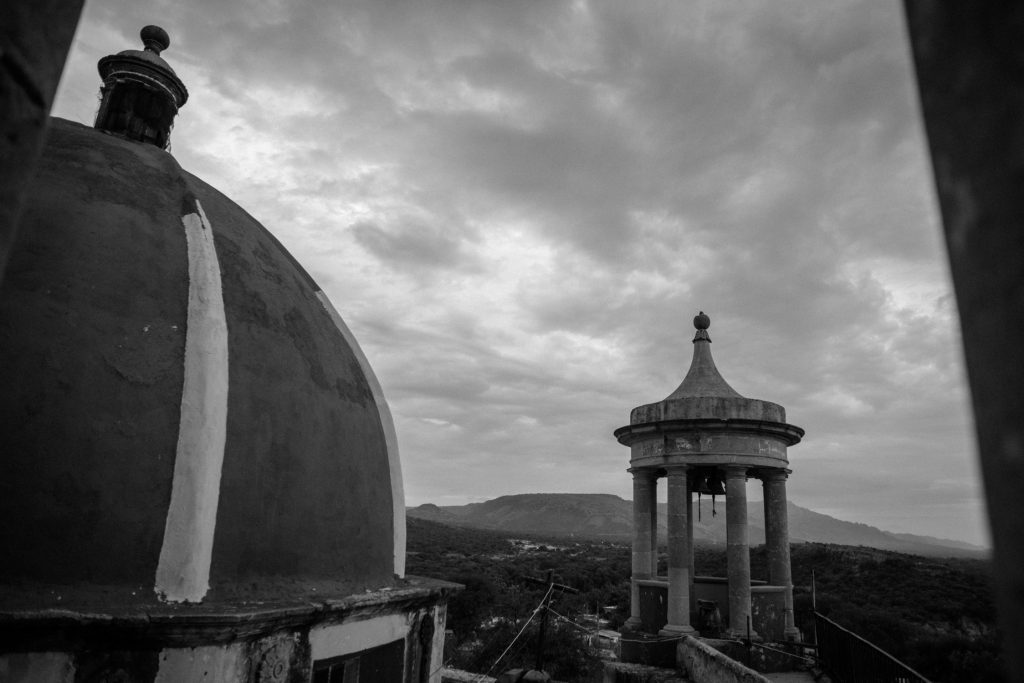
518, 207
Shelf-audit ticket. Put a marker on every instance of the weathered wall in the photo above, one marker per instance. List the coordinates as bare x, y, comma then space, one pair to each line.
704, 664
653, 605
271, 655
37, 667
768, 612
767, 605
220, 663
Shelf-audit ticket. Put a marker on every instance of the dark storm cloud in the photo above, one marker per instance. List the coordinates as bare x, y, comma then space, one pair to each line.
410, 243
519, 206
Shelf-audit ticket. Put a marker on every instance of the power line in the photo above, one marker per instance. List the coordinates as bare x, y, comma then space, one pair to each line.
573, 623
536, 610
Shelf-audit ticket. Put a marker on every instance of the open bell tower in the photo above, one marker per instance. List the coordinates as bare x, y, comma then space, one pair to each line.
705, 437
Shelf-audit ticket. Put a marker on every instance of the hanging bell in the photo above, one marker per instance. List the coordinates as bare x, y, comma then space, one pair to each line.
710, 485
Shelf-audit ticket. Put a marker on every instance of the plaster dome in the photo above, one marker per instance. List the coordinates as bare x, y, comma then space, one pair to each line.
178, 393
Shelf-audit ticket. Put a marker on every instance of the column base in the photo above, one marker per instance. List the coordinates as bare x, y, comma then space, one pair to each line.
741, 635
677, 630
792, 633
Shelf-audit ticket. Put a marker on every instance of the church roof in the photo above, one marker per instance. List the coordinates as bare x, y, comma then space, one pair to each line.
183, 414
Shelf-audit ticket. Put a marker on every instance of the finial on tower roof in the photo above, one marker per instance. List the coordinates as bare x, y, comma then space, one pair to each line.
703, 379
155, 38
702, 322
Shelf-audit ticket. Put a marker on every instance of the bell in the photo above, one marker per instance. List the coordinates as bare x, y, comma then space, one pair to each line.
711, 485
715, 485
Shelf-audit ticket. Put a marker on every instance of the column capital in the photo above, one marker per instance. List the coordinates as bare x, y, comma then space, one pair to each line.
676, 469
644, 474
735, 471
774, 475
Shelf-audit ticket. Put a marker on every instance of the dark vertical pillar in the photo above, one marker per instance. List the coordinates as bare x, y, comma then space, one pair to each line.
678, 554
970, 72
737, 551
654, 525
689, 539
35, 36
642, 489
776, 532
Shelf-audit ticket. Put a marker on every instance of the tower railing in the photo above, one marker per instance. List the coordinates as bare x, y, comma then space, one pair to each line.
848, 658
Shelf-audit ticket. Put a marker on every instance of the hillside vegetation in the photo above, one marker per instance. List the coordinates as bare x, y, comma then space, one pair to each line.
600, 516
936, 615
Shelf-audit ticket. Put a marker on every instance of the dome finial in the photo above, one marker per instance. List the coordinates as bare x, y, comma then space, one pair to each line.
702, 322
155, 38
141, 94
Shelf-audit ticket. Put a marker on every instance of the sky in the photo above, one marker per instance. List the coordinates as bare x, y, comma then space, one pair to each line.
518, 208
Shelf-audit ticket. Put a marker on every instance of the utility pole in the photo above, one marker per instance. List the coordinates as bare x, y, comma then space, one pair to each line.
543, 625
550, 587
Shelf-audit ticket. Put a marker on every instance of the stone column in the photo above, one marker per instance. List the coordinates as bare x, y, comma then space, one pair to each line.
737, 551
689, 541
776, 530
642, 490
678, 554
654, 525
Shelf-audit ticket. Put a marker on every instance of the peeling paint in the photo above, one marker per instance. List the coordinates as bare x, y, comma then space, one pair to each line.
37, 667
183, 572
223, 664
440, 615
342, 639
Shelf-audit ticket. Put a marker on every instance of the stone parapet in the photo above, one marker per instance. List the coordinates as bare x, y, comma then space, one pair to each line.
709, 442
704, 407
705, 664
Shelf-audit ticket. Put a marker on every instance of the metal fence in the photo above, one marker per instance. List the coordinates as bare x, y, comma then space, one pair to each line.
848, 658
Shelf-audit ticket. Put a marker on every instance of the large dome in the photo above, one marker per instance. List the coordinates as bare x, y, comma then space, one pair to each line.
180, 405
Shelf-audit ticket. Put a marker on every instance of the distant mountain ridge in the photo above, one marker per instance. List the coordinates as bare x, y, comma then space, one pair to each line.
606, 516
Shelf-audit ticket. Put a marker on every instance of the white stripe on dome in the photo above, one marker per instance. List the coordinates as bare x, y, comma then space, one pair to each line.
183, 573
390, 437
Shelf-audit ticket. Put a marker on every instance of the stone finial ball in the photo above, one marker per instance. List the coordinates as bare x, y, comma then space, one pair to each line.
701, 321
155, 38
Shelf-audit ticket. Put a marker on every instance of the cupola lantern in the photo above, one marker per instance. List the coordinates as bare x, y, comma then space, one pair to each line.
141, 94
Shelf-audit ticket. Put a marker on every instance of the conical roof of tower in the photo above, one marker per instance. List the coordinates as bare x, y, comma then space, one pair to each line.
704, 394
703, 379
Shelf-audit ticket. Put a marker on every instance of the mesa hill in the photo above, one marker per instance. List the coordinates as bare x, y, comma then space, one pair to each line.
609, 517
